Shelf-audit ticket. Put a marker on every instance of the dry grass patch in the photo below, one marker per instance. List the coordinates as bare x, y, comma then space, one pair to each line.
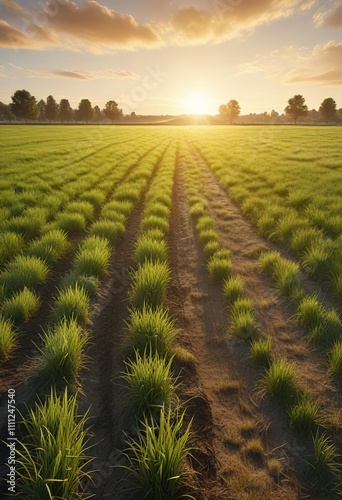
248, 427
232, 439
229, 386
254, 450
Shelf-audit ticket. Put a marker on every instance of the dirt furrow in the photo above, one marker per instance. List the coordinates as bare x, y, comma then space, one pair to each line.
100, 382
275, 316
217, 388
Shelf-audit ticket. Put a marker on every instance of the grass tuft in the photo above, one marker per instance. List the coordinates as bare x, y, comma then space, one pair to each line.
71, 304
92, 261
52, 457
148, 248
149, 381
155, 222
149, 330
325, 464
111, 230
70, 222
303, 416
286, 275
233, 288
280, 382
61, 354
84, 208
23, 272
261, 351
50, 247
219, 268
149, 284
10, 244
21, 306
8, 337
157, 455
335, 360
268, 261
90, 284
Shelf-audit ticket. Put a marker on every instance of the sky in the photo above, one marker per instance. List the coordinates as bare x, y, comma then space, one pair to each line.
169, 57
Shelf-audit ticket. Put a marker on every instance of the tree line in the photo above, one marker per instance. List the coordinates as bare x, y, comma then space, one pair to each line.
295, 109
24, 106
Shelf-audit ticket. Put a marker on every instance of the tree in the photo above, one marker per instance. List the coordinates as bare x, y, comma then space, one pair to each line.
41, 107
51, 109
296, 107
230, 111
6, 114
233, 110
223, 111
328, 110
65, 111
85, 111
98, 116
112, 111
24, 105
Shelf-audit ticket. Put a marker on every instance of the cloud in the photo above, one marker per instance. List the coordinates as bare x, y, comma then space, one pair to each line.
11, 37
15, 8
229, 18
99, 28
321, 67
330, 18
331, 78
34, 37
95, 75
108, 74
92, 25
96, 24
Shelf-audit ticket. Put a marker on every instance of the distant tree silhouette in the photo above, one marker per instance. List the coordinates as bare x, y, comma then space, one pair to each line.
51, 109
230, 111
98, 115
41, 106
112, 111
24, 105
296, 107
328, 110
6, 113
65, 111
85, 111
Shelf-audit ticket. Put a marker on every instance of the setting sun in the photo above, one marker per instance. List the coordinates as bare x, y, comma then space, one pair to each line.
197, 104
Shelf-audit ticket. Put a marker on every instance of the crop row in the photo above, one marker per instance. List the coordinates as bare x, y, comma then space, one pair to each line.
156, 452
289, 189
279, 379
24, 273
47, 469
323, 326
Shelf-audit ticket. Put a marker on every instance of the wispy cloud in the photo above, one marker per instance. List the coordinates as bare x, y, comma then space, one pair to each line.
330, 17
322, 67
95, 75
192, 25
108, 74
291, 64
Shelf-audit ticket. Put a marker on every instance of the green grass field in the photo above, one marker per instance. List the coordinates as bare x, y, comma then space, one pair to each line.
223, 233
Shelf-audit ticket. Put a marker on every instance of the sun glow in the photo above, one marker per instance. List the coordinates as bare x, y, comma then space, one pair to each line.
197, 104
